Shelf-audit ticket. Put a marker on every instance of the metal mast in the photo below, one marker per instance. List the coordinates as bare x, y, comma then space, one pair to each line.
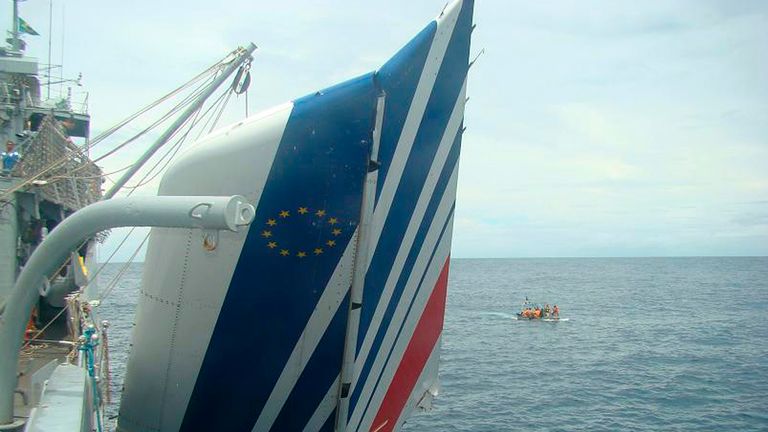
50, 33
15, 39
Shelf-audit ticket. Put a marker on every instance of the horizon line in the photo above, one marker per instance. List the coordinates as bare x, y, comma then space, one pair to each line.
561, 257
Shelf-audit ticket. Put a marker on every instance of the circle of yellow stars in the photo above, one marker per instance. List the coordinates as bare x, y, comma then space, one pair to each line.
271, 223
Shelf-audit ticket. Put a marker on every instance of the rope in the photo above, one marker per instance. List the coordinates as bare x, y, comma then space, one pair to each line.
92, 278
105, 364
87, 348
208, 120
246, 103
98, 139
157, 102
120, 273
221, 110
172, 151
161, 120
56, 164
57, 178
176, 147
39, 332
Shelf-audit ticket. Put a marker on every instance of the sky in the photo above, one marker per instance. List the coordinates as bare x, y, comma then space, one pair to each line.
594, 128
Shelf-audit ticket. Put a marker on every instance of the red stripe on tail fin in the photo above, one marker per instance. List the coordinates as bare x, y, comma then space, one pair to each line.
415, 357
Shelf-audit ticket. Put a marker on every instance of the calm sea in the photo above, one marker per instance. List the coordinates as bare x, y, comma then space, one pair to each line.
651, 344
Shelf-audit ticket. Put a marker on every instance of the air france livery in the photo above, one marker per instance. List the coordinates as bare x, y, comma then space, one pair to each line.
326, 313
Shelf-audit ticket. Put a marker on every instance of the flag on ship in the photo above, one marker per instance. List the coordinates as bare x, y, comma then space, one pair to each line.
24, 27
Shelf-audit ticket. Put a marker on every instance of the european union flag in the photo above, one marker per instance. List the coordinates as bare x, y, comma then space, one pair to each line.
304, 232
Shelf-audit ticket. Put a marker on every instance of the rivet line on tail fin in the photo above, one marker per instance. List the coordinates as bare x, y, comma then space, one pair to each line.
361, 265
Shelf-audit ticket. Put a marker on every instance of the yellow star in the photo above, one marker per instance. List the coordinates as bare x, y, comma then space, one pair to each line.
266, 234
331, 243
336, 231
303, 210
284, 252
285, 214
320, 213
333, 221
272, 245
271, 222
318, 251
301, 254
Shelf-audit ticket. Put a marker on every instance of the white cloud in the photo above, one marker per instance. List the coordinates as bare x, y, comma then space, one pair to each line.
594, 128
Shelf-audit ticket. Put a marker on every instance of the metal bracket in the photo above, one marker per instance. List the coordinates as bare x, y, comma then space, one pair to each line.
210, 240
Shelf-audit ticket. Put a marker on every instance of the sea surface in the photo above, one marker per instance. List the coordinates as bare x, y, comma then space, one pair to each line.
651, 344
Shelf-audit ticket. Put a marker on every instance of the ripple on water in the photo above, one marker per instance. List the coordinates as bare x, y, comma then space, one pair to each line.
652, 344
661, 355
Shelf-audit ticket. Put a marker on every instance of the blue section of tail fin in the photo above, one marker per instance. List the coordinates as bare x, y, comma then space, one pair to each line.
399, 77
320, 166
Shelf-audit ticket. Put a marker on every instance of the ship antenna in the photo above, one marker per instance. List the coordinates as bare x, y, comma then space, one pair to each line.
50, 33
63, 31
15, 40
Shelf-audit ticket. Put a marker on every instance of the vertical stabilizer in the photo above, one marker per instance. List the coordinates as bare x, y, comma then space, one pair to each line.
251, 335
404, 296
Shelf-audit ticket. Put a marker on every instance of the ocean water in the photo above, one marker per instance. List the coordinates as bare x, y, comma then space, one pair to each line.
651, 344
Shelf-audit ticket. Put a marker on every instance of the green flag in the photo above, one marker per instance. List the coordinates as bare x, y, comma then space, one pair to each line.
26, 28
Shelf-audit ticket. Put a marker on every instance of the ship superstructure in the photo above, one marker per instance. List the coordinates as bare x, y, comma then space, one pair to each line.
46, 177
53, 177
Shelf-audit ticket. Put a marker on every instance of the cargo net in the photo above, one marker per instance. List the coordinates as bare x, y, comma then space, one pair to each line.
63, 174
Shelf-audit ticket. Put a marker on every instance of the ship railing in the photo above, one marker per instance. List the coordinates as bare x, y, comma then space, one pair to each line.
5, 93
9, 94
28, 99
66, 99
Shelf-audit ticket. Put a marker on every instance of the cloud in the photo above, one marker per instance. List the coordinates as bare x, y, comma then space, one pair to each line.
594, 128
752, 219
